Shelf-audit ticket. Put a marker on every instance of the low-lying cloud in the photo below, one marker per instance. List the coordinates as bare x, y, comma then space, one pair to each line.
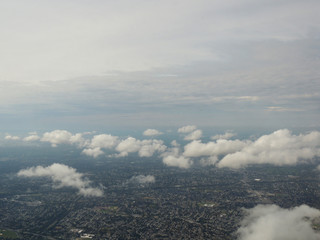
279, 148
57, 137
226, 135
187, 129
151, 132
221, 146
192, 132
196, 134
145, 148
63, 176
31, 138
173, 157
10, 137
270, 222
177, 161
143, 179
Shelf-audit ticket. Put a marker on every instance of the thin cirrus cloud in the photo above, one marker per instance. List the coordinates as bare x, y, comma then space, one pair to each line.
182, 29
63, 176
220, 58
294, 224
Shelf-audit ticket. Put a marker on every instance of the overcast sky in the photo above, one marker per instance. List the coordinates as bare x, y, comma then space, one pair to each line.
85, 65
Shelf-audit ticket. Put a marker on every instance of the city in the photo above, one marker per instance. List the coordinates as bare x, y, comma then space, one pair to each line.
195, 203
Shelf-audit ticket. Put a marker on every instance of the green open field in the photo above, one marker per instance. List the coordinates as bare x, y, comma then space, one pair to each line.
8, 234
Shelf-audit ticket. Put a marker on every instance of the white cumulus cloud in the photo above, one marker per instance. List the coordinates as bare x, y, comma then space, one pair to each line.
93, 152
173, 158
151, 132
104, 141
187, 129
10, 137
270, 222
31, 138
57, 137
98, 142
63, 176
278, 148
145, 148
226, 135
197, 134
220, 147
180, 161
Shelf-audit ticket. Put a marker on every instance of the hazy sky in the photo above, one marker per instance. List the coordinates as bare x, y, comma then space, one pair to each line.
84, 65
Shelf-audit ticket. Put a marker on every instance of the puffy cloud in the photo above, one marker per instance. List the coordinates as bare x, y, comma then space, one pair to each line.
78, 139
226, 135
142, 179
57, 137
194, 135
128, 145
187, 129
31, 138
279, 148
220, 147
318, 168
63, 176
145, 148
173, 158
212, 160
93, 152
9, 137
174, 143
180, 161
270, 222
151, 132
104, 141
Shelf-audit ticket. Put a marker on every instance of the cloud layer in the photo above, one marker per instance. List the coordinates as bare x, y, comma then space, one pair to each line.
279, 148
270, 222
212, 63
63, 176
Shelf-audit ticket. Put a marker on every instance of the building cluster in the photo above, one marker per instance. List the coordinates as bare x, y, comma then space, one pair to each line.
181, 204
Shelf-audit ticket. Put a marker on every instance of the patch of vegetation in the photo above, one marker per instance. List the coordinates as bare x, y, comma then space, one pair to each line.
8, 234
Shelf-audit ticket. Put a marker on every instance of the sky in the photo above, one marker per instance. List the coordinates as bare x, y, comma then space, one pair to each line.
110, 65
